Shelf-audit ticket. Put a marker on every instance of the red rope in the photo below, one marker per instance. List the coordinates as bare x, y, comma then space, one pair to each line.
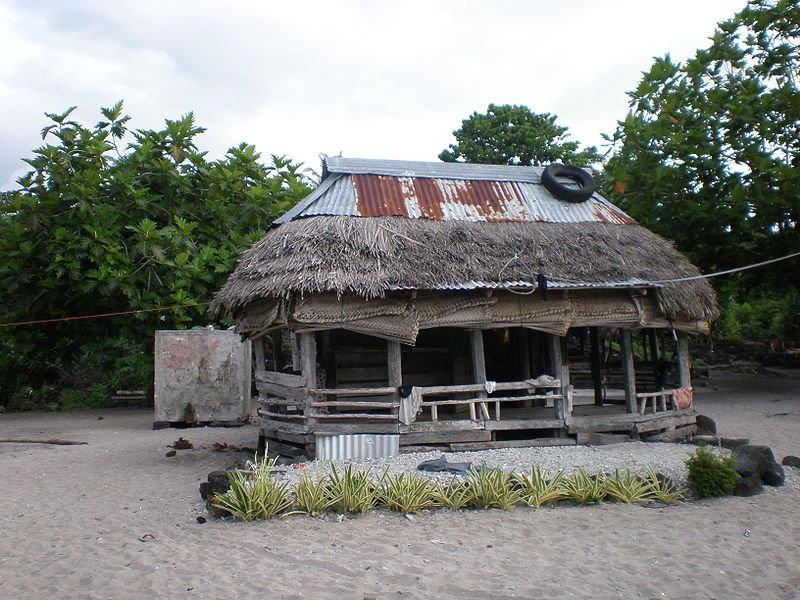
114, 314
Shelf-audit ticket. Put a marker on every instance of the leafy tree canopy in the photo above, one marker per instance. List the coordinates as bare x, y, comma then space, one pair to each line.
709, 154
96, 228
514, 135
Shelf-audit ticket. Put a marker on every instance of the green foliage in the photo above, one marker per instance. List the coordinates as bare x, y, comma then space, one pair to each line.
254, 494
708, 155
661, 489
94, 229
759, 317
626, 487
491, 488
352, 491
711, 475
312, 496
406, 493
538, 487
515, 135
454, 495
83, 399
584, 488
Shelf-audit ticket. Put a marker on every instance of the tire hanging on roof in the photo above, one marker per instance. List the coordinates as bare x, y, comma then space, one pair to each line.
584, 180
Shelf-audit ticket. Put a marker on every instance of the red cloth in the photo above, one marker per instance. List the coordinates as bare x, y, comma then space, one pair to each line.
682, 398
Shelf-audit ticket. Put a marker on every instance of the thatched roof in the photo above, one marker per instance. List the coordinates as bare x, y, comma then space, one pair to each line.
592, 246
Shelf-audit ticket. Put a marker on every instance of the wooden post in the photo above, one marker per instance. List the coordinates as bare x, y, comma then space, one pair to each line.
628, 369
557, 369
295, 340
478, 369
259, 363
394, 363
597, 368
655, 356
684, 366
523, 350
308, 362
277, 350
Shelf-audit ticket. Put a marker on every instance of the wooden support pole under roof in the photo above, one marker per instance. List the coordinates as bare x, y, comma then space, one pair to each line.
684, 365
259, 363
597, 367
560, 371
478, 370
629, 372
308, 364
277, 350
655, 356
394, 363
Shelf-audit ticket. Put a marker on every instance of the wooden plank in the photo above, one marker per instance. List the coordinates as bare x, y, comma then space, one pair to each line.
628, 369
440, 437
281, 390
274, 415
280, 402
493, 399
532, 443
367, 391
331, 428
655, 425
510, 424
356, 403
287, 379
673, 434
500, 386
684, 365
421, 426
294, 338
283, 449
285, 435
259, 362
348, 374
356, 416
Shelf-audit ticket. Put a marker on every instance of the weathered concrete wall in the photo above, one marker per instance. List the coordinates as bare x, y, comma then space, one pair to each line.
201, 376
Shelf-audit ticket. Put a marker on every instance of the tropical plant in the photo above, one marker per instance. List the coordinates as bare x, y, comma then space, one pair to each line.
711, 475
254, 493
661, 489
626, 487
352, 491
455, 495
406, 493
491, 488
312, 496
538, 487
584, 488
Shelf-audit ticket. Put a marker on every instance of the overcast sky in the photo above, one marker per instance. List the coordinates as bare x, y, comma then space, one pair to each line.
368, 79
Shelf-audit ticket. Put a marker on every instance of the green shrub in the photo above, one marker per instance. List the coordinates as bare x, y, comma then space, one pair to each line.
538, 488
95, 396
711, 475
255, 494
406, 493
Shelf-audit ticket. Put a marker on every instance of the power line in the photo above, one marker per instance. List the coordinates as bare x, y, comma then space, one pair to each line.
103, 315
729, 271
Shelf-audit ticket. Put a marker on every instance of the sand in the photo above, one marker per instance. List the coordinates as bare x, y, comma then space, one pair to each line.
116, 519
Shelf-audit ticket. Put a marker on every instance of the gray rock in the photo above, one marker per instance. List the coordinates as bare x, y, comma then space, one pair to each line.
791, 461
706, 425
751, 460
748, 486
217, 484
731, 443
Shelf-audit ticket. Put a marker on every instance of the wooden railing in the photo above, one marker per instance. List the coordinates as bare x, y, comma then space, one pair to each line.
659, 401
483, 401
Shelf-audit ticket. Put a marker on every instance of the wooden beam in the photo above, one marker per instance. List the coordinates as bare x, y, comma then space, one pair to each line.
394, 364
308, 366
478, 369
597, 368
277, 342
628, 369
534, 442
557, 367
684, 365
258, 355
286, 379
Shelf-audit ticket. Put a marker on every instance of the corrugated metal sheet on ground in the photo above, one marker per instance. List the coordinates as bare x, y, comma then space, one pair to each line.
362, 445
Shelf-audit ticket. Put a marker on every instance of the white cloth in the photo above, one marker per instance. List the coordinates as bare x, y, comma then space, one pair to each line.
490, 385
410, 406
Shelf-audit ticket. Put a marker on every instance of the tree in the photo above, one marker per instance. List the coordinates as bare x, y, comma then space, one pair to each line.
709, 154
514, 135
95, 230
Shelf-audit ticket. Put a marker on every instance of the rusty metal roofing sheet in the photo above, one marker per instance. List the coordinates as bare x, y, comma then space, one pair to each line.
435, 191
551, 283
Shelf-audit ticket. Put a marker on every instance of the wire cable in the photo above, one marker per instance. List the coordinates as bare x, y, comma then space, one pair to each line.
103, 315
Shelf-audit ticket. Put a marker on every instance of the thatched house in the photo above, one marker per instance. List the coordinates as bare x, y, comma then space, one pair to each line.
464, 306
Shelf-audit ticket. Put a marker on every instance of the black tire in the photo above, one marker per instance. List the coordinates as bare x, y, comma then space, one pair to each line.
584, 180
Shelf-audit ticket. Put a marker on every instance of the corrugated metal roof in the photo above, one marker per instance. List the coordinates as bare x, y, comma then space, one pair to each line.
445, 192
522, 284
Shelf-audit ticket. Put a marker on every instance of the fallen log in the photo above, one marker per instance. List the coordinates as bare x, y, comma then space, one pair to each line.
55, 442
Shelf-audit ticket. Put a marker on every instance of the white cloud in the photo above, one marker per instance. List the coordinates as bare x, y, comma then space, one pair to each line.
366, 78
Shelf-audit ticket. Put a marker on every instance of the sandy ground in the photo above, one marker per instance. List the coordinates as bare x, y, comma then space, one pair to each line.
117, 519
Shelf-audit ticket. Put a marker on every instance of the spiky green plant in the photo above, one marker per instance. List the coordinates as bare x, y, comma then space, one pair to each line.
584, 488
491, 488
254, 493
662, 489
406, 493
538, 487
352, 491
312, 496
454, 495
626, 487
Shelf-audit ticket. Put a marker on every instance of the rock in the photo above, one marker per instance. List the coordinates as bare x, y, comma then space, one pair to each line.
706, 439
706, 425
217, 484
733, 443
791, 461
748, 486
759, 461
